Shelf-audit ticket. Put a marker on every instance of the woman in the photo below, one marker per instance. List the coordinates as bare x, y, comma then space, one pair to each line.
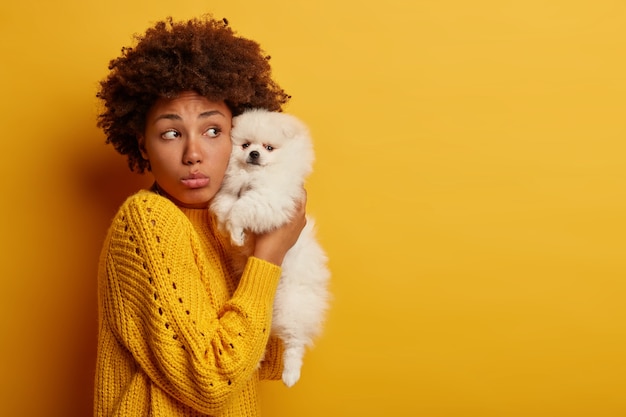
180, 333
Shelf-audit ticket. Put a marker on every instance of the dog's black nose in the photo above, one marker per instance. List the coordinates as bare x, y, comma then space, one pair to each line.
254, 155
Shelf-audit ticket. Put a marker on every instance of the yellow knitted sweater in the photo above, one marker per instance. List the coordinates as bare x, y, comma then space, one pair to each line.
180, 334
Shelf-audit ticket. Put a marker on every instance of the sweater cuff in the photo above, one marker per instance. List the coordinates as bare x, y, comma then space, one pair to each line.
259, 279
272, 364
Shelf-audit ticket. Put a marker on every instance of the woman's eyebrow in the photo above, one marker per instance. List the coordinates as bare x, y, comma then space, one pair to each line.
174, 116
210, 113
168, 116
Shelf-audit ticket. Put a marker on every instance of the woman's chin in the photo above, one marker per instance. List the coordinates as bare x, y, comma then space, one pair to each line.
191, 197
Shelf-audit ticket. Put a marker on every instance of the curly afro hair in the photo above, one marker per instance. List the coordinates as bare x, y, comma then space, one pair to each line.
202, 55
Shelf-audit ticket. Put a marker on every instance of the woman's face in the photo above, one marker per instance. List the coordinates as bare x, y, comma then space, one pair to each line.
187, 141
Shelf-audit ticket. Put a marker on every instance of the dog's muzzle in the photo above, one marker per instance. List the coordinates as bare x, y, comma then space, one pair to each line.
254, 158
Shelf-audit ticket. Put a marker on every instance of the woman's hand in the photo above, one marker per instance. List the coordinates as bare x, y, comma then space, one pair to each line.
273, 245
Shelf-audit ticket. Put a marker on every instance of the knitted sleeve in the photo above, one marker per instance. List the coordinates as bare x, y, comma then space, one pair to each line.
161, 311
272, 365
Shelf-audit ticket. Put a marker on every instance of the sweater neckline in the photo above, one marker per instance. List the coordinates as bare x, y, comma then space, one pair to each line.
196, 215
199, 213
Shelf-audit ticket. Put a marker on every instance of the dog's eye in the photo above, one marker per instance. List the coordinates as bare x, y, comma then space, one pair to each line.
245, 145
269, 148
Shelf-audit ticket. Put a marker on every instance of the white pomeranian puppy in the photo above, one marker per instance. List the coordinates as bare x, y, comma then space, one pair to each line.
271, 158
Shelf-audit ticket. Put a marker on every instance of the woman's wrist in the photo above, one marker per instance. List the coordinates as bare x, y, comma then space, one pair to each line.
268, 256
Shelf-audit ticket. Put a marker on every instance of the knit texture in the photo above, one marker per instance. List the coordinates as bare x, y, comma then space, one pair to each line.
180, 334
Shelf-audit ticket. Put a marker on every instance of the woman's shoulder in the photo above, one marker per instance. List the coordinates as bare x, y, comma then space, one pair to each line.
146, 201
146, 197
148, 226
148, 209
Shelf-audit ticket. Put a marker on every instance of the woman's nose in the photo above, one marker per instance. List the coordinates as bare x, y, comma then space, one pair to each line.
193, 154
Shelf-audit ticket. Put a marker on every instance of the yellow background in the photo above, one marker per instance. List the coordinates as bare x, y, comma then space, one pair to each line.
469, 190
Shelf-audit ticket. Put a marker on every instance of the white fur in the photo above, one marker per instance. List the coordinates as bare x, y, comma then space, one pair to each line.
260, 194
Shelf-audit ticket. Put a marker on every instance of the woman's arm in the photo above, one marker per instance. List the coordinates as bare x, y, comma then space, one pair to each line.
157, 302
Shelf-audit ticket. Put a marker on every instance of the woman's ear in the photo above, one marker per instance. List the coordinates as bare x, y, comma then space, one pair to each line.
141, 140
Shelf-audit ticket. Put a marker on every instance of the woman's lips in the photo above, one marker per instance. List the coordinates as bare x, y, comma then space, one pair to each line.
195, 181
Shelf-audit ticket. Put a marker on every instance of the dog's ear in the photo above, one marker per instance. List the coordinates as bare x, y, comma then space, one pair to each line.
287, 131
290, 126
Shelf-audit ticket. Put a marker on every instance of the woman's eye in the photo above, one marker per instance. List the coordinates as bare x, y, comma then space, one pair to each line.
171, 134
269, 148
245, 145
213, 132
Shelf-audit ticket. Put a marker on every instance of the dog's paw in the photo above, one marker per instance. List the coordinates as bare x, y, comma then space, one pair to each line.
292, 363
237, 236
291, 376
